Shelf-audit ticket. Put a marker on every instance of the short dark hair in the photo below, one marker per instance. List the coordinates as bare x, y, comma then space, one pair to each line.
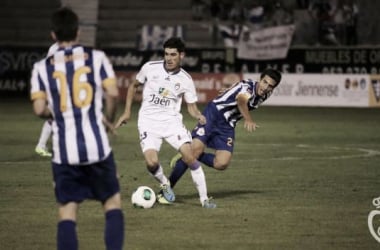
175, 43
272, 73
65, 24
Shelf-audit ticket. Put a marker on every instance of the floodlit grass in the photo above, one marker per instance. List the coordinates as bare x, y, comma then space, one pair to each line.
304, 180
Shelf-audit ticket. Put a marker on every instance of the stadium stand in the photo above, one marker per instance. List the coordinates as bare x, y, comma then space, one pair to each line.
117, 23
24, 22
120, 21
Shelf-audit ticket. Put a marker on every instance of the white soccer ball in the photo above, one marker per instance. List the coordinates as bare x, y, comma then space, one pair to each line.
143, 197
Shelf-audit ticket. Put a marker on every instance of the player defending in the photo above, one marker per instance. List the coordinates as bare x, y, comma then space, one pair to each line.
222, 114
165, 83
68, 87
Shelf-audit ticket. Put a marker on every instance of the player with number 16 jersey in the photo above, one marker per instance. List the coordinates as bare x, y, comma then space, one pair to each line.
71, 79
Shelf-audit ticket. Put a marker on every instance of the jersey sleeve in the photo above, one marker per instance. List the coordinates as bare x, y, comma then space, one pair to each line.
190, 93
53, 48
141, 75
247, 89
37, 90
107, 74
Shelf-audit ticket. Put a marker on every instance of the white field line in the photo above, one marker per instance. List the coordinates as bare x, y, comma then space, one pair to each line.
361, 153
48, 162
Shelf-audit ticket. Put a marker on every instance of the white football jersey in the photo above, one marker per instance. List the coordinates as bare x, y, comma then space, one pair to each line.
163, 92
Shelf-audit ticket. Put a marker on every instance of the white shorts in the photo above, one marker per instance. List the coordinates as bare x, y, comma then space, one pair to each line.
152, 134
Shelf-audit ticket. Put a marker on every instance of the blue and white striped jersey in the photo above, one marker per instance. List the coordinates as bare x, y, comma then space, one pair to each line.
226, 103
72, 82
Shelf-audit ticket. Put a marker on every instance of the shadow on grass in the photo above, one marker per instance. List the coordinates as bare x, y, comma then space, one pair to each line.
220, 194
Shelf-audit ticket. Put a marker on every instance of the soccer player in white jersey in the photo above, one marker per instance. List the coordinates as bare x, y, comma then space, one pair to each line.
165, 83
222, 114
41, 147
68, 87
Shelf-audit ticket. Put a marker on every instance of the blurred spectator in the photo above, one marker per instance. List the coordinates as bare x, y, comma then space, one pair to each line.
218, 10
303, 4
231, 32
198, 8
256, 15
237, 12
350, 17
323, 12
280, 15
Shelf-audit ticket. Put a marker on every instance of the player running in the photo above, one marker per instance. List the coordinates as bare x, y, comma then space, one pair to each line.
165, 83
222, 114
68, 87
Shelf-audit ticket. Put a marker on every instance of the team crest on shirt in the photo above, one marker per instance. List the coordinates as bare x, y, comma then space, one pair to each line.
177, 86
200, 131
163, 91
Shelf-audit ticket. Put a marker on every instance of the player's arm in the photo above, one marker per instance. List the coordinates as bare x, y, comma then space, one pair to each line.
111, 95
38, 96
193, 110
128, 104
242, 103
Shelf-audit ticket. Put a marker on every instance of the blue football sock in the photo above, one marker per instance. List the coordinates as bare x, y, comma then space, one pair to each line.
179, 169
67, 236
114, 230
207, 159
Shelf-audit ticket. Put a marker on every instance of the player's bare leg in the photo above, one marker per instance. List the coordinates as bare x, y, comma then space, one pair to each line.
222, 159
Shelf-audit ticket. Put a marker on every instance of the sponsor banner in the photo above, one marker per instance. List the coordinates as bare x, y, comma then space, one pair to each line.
152, 37
266, 44
349, 90
196, 60
15, 69
313, 60
374, 91
16, 64
319, 60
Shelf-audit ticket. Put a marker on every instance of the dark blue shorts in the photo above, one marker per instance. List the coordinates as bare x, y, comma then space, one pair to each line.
216, 133
75, 183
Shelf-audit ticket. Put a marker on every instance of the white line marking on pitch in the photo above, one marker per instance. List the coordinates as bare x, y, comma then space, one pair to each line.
363, 152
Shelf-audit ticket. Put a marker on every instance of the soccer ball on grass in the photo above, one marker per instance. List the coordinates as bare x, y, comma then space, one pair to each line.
143, 197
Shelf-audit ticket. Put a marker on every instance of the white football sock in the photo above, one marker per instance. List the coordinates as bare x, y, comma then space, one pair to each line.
199, 180
45, 134
160, 177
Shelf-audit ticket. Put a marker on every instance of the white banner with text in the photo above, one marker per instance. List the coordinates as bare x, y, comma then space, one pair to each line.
343, 90
265, 44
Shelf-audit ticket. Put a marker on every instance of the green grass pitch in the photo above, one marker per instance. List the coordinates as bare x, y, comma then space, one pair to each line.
304, 180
